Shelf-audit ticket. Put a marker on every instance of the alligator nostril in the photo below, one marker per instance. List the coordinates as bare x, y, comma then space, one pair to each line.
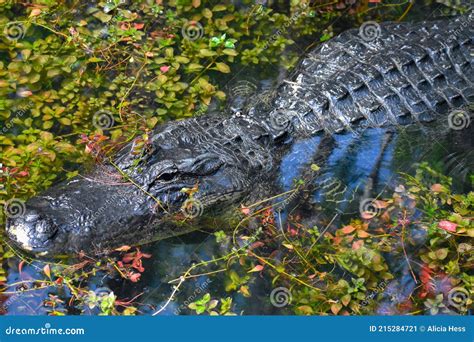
31, 217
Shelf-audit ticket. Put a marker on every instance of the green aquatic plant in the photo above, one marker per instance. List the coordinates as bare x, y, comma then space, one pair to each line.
118, 70
80, 79
346, 270
206, 304
75, 88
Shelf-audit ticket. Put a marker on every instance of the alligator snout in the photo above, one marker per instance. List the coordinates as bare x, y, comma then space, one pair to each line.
31, 231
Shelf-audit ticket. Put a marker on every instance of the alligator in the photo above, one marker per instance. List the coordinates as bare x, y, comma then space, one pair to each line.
381, 75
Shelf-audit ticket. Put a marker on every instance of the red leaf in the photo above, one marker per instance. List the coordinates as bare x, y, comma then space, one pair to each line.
436, 187
134, 277
127, 259
164, 68
137, 264
20, 266
257, 268
138, 26
123, 248
47, 271
256, 245
367, 215
406, 306
448, 226
347, 229
291, 231
426, 281
336, 307
357, 244
245, 210
124, 26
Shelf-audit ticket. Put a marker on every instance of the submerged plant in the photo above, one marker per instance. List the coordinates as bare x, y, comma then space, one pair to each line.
350, 270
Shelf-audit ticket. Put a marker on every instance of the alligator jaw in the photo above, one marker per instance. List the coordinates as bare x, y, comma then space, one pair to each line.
27, 237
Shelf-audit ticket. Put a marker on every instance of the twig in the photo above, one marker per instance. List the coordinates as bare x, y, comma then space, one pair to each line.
404, 250
181, 281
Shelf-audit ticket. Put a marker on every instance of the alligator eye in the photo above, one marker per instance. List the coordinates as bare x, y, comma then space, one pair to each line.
167, 176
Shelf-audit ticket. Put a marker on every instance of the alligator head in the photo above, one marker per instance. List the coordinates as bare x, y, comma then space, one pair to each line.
133, 199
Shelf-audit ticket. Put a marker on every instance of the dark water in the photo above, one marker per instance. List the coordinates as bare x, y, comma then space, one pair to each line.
358, 164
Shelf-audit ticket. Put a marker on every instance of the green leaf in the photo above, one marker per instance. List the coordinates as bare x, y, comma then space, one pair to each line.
207, 53
48, 124
230, 52
26, 53
206, 298
346, 299
182, 59
207, 13
94, 60
200, 309
214, 42
441, 253
105, 18
222, 67
53, 72
229, 44
65, 121
219, 8
194, 67
305, 309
